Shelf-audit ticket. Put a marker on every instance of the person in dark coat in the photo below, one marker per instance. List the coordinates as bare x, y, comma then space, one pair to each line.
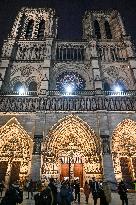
30, 188
54, 191
105, 193
13, 196
122, 190
1, 187
77, 190
95, 190
66, 195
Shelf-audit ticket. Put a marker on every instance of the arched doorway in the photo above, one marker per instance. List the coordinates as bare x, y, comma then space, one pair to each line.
71, 150
15, 152
124, 150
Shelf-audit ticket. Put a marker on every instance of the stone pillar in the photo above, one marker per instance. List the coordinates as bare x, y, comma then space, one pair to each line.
8, 173
91, 56
35, 173
108, 169
96, 74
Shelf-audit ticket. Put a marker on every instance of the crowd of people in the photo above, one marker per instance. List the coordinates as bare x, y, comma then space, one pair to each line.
55, 192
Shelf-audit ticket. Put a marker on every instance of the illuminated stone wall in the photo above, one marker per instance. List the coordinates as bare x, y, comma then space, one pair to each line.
15, 146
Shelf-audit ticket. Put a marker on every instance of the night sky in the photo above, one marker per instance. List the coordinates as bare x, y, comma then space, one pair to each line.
70, 14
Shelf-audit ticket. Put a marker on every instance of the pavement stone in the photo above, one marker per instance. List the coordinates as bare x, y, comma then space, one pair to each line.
115, 200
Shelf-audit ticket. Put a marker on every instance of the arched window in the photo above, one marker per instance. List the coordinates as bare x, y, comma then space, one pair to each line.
41, 29
119, 86
97, 29
106, 86
32, 86
18, 87
29, 29
108, 30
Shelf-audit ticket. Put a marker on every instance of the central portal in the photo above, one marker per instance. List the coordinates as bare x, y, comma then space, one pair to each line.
72, 150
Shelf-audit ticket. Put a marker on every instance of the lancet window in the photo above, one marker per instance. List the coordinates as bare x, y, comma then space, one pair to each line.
32, 86
41, 29
29, 29
97, 29
106, 86
17, 86
108, 30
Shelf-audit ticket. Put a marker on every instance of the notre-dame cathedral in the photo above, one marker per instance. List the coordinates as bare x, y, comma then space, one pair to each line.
67, 108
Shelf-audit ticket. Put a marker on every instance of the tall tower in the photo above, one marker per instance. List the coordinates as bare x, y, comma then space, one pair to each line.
26, 55
109, 51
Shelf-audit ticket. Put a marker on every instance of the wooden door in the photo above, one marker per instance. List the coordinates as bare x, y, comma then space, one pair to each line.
64, 171
3, 169
78, 172
15, 170
126, 168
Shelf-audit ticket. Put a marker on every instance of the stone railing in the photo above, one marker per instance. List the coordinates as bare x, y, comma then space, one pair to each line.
96, 100
70, 51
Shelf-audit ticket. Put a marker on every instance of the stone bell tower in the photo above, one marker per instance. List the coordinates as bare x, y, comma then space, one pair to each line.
26, 55
109, 50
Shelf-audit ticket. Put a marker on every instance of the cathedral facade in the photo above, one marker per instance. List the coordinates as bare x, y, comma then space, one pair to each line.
67, 108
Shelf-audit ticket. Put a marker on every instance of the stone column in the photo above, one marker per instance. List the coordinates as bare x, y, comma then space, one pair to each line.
108, 169
35, 173
92, 56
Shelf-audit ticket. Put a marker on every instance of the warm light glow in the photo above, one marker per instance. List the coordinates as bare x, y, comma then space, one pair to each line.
124, 148
16, 146
21, 90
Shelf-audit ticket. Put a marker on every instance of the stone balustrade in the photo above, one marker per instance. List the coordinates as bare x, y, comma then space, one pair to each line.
56, 101
70, 51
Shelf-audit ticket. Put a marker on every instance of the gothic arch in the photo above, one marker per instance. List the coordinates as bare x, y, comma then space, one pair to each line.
72, 134
124, 150
15, 150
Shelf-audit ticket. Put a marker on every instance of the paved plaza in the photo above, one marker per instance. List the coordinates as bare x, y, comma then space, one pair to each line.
115, 200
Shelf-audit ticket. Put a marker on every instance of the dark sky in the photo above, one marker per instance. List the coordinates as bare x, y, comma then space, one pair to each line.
70, 14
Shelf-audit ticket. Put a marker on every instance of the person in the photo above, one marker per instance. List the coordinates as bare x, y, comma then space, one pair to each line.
66, 195
86, 191
58, 185
53, 188
122, 190
77, 190
37, 198
95, 190
105, 193
45, 197
13, 196
1, 187
30, 188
